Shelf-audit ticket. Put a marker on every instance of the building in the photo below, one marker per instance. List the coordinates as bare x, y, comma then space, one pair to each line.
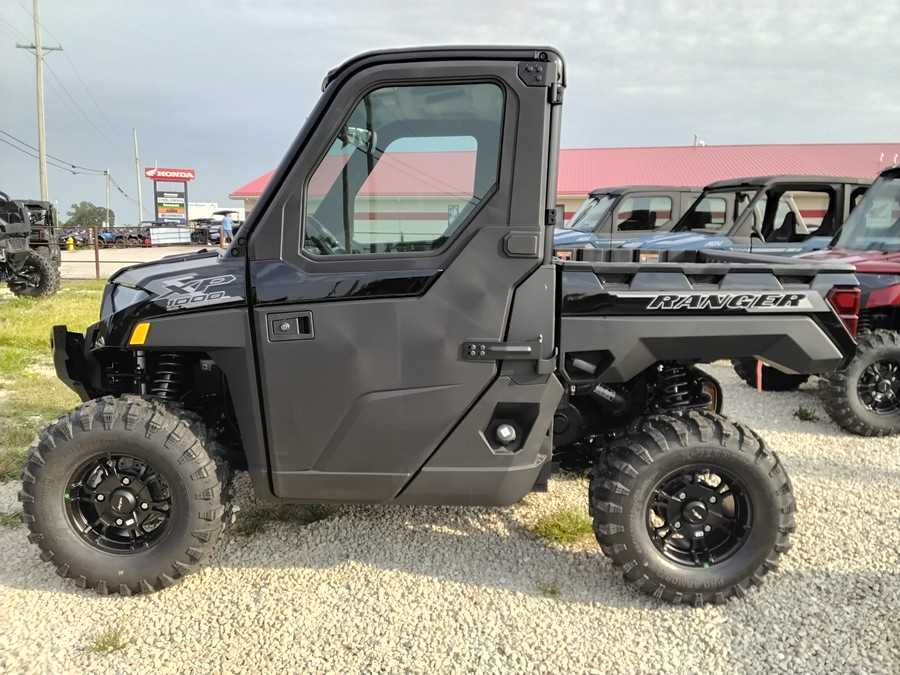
433, 194
207, 209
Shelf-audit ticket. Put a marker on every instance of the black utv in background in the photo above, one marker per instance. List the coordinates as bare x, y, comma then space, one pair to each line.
44, 222
355, 346
26, 271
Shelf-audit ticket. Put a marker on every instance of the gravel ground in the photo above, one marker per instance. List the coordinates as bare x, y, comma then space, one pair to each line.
445, 590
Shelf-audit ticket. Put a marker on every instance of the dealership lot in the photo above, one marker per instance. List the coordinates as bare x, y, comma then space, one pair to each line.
81, 263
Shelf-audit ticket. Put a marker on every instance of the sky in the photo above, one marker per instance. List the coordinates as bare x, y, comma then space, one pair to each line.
224, 87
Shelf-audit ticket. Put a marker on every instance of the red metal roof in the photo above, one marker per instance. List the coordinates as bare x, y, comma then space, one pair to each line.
254, 188
399, 174
583, 170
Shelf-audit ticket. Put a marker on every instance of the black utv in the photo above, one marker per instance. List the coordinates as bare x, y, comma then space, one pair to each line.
390, 327
26, 271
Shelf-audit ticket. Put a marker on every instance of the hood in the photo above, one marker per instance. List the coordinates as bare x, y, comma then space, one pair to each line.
182, 282
679, 241
866, 262
567, 237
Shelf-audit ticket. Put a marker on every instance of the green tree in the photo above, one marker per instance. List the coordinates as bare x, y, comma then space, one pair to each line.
86, 214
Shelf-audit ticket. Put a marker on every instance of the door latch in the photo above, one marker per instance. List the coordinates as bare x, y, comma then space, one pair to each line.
495, 350
289, 326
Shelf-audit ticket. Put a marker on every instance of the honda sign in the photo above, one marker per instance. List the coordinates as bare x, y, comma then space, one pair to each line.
176, 175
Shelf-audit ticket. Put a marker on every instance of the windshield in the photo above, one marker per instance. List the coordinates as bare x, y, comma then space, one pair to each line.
588, 217
715, 210
875, 223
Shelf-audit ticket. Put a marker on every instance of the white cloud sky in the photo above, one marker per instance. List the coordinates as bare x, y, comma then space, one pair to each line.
223, 87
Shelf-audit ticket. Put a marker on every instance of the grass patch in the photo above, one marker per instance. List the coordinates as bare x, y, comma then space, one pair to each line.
11, 462
257, 518
564, 527
30, 394
13, 519
805, 414
25, 322
109, 640
548, 590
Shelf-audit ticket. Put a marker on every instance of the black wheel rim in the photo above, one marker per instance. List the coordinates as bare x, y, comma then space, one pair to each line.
29, 276
699, 516
118, 503
879, 387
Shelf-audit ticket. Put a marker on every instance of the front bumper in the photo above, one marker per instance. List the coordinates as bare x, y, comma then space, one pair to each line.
70, 361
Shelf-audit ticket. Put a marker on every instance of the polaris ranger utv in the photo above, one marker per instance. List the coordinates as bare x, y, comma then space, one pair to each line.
342, 354
25, 270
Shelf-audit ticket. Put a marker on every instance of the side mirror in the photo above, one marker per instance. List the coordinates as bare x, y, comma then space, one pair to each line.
360, 138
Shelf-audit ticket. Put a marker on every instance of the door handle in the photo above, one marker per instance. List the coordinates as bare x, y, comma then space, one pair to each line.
288, 326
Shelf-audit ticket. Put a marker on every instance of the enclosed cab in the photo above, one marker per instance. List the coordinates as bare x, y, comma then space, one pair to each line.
623, 212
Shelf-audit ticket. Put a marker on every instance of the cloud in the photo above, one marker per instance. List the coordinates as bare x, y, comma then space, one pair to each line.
223, 87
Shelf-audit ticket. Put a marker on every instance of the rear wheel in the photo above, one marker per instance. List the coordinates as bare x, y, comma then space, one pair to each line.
864, 399
39, 276
691, 507
772, 378
124, 495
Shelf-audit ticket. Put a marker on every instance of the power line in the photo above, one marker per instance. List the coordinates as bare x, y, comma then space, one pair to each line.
9, 23
113, 181
74, 166
78, 75
90, 172
80, 109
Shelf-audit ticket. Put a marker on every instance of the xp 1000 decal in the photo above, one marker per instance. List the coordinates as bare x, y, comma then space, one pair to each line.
190, 291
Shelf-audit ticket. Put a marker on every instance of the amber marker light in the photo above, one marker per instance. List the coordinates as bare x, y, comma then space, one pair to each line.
139, 334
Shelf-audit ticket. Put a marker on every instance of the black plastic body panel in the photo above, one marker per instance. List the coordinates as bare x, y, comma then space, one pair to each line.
707, 306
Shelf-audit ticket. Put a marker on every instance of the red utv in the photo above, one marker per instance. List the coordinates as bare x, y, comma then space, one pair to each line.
865, 398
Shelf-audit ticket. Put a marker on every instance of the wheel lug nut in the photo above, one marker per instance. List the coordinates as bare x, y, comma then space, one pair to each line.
678, 525
682, 496
119, 521
707, 528
144, 506
100, 498
126, 481
712, 500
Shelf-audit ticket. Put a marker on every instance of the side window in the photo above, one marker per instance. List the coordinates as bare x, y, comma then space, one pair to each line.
815, 212
406, 171
645, 213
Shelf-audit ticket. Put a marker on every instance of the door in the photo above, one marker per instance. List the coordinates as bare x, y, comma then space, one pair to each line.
411, 242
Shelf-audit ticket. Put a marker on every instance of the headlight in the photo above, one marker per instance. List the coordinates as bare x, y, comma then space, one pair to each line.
117, 297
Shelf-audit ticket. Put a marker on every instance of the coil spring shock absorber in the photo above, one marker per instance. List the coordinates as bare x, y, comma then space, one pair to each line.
674, 386
169, 377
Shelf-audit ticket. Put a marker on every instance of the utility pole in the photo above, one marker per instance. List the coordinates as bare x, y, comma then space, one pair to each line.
39, 58
107, 197
137, 175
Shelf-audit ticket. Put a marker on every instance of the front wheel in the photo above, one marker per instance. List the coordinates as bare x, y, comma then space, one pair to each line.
38, 277
864, 399
692, 508
124, 495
